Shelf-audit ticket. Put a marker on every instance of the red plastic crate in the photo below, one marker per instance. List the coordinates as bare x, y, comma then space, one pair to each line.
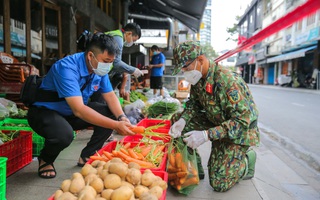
18, 151
151, 122
161, 174
112, 146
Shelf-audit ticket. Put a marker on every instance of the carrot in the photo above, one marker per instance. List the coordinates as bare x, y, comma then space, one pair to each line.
140, 156
172, 176
143, 164
171, 169
138, 129
178, 160
146, 150
133, 154
127, 145
172, 160
184, 167
98, 158
108, 154
191, 181
182, 180
123, 150
158, 149
181, 174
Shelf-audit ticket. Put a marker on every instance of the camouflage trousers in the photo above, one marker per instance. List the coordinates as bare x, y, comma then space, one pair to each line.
227, 163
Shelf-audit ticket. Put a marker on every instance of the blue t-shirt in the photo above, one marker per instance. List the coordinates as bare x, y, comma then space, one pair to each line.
157, 59
67, 76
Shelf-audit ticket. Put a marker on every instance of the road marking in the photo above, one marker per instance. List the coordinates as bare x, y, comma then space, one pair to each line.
297, 104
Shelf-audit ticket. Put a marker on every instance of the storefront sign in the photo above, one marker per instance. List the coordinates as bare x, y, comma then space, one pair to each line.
307, 36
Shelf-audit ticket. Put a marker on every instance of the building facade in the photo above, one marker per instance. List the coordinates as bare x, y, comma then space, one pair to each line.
205, 30
288, 57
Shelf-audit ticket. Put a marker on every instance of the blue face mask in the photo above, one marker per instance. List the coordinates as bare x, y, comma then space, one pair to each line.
155, 53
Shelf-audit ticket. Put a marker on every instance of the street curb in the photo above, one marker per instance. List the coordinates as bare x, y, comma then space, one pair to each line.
310, 159
303, 90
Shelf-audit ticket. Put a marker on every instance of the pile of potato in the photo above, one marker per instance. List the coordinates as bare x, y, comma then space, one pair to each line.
112, 180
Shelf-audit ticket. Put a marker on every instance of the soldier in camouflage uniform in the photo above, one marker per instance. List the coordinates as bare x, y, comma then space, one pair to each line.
220, 109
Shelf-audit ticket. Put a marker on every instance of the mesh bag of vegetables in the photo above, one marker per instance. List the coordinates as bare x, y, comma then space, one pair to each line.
182, 167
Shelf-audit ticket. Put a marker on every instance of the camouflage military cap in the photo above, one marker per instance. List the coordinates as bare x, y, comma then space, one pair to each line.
185, 52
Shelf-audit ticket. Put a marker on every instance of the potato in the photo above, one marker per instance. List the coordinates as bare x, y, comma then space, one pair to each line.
106, 166
112, 181
57, 194
77, 184
67, 196
88, 169
133, 176
103, 174
87, 192
157, 191
147, 178
122, 193
89, 178
160, 183
116, 160
76, 175
100, 198
118, 168
95, 163
65, 185
127, 184
148, 196
107, 193
139, 190
101, 163
134, 165
97, 184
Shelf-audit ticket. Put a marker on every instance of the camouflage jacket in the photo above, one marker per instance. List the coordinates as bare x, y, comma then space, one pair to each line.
228, 105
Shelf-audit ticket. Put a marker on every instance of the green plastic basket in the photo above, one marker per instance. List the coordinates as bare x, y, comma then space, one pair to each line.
3, 177
23, 125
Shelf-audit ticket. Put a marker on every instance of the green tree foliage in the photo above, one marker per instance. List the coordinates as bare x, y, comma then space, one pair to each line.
233, 31
209, 51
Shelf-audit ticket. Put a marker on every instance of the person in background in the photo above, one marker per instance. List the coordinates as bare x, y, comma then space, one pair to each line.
125, 38
220, 110
157, 68
73, 79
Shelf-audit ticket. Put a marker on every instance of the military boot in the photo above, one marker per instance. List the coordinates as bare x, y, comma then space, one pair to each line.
251, 158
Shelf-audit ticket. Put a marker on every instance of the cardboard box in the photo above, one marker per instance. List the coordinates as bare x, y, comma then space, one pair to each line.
181, 95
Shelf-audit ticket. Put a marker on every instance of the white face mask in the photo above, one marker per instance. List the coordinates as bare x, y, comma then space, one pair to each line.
128, 44
193, 76
102, 68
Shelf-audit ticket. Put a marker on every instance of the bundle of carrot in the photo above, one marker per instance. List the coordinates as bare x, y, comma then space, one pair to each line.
146, 155
182, 169
150, 131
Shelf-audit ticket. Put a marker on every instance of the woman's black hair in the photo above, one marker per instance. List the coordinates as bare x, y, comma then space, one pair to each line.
101, 42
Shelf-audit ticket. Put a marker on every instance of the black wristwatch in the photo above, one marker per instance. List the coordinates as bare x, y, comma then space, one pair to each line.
120, 116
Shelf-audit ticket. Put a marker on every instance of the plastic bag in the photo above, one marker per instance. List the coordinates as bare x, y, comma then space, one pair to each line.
4, 112
9, 105
139, 104
182, 167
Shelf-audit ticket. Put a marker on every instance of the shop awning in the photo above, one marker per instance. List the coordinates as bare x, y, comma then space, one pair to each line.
188, 12
291, 55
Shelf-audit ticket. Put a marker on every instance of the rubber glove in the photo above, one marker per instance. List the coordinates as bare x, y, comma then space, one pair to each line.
137, 73
195, 138
177, 127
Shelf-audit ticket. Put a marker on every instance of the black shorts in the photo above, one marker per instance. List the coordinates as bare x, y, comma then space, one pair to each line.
156, 82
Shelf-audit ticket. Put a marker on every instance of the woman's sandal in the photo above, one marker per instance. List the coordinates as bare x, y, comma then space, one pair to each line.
84, 159
40, 172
